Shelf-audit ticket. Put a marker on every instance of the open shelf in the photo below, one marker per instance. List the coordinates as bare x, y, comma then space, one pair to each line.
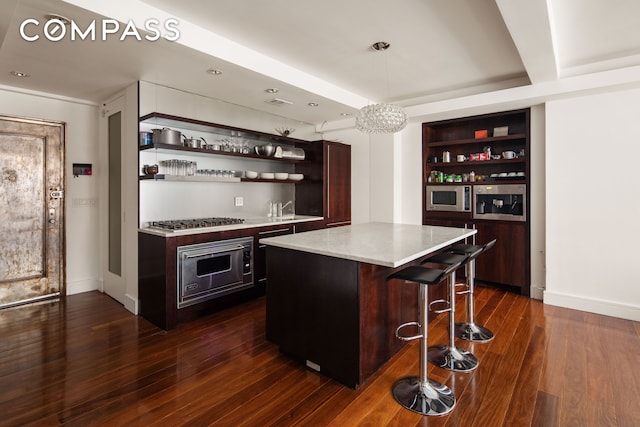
167, 120
478, 141
188, 178
170, 148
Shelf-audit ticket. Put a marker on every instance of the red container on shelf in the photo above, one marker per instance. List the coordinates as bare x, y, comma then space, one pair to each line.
481, 134
479, 156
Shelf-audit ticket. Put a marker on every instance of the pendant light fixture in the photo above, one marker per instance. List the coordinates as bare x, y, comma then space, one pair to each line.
381, 118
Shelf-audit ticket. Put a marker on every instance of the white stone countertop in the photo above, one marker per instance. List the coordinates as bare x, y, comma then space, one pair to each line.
248, 223
385, 244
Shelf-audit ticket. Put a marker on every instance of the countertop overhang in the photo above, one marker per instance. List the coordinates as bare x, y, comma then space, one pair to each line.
248, 223
385, 244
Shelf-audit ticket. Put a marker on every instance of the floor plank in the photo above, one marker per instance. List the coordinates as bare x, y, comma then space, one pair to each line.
87, 361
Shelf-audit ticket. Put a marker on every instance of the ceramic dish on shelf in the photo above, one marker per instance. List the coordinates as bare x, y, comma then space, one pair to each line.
296, 176
267, 175
520, 174
281, 175
251, 174
502, 175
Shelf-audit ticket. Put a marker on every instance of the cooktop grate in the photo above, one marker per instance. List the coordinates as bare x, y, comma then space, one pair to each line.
183, 224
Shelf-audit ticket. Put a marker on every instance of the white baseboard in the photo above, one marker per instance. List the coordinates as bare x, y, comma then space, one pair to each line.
608, 308
131, 303
80, 286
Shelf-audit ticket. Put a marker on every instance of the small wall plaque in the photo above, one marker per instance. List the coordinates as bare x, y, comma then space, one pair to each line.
81, 169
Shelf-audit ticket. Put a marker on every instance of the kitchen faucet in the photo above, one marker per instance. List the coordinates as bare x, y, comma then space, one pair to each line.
276, 209
281, 208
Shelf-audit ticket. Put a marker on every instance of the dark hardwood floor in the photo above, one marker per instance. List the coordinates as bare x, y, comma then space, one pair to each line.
87, 361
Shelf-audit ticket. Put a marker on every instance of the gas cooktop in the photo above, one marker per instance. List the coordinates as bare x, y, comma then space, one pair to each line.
183, 224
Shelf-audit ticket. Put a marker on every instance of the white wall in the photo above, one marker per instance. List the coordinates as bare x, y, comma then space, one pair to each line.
81, 143
410, 174
593, 203
537, 207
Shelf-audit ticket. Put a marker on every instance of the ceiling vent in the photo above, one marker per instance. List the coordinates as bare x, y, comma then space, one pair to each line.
278, 101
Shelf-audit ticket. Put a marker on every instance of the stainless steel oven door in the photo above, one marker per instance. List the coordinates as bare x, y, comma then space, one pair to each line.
208, 270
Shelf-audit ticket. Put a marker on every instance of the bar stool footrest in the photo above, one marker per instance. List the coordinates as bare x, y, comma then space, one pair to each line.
432, 398
460, 285
442, 310
411, 337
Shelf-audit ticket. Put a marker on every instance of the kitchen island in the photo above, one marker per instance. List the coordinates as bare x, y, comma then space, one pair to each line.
329, 303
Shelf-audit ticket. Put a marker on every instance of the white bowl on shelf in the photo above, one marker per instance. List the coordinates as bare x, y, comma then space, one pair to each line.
267, 175
281, 175
296, 176
251, 174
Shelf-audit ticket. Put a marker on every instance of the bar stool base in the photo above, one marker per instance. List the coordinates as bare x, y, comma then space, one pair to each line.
472, 332
452, 358
432, 398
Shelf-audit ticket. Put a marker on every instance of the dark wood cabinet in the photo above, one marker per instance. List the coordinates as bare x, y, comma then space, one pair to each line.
327, 191
508, 263
260, 253
337, 183
340, 320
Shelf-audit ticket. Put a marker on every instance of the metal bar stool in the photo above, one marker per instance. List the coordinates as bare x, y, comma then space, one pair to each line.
469, 330
421, 394
449, 356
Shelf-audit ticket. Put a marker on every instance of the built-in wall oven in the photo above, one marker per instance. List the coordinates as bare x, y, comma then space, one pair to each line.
450, 198
210, 270
506, 202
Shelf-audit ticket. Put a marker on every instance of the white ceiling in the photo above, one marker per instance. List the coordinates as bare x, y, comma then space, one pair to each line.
319, 51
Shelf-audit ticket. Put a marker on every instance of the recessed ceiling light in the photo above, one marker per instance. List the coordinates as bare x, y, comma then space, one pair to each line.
19, 74
313, 104
345, 114
271, 90
214, 71
63, 19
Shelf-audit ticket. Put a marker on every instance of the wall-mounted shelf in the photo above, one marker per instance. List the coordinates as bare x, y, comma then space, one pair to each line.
173, 149
189, 178
471, 163
166, 120
479, 141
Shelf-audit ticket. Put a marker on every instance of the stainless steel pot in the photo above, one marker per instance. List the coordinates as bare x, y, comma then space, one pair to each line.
167, 136
195, 142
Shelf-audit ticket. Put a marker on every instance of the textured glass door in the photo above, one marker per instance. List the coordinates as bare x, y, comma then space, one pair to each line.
111, 151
